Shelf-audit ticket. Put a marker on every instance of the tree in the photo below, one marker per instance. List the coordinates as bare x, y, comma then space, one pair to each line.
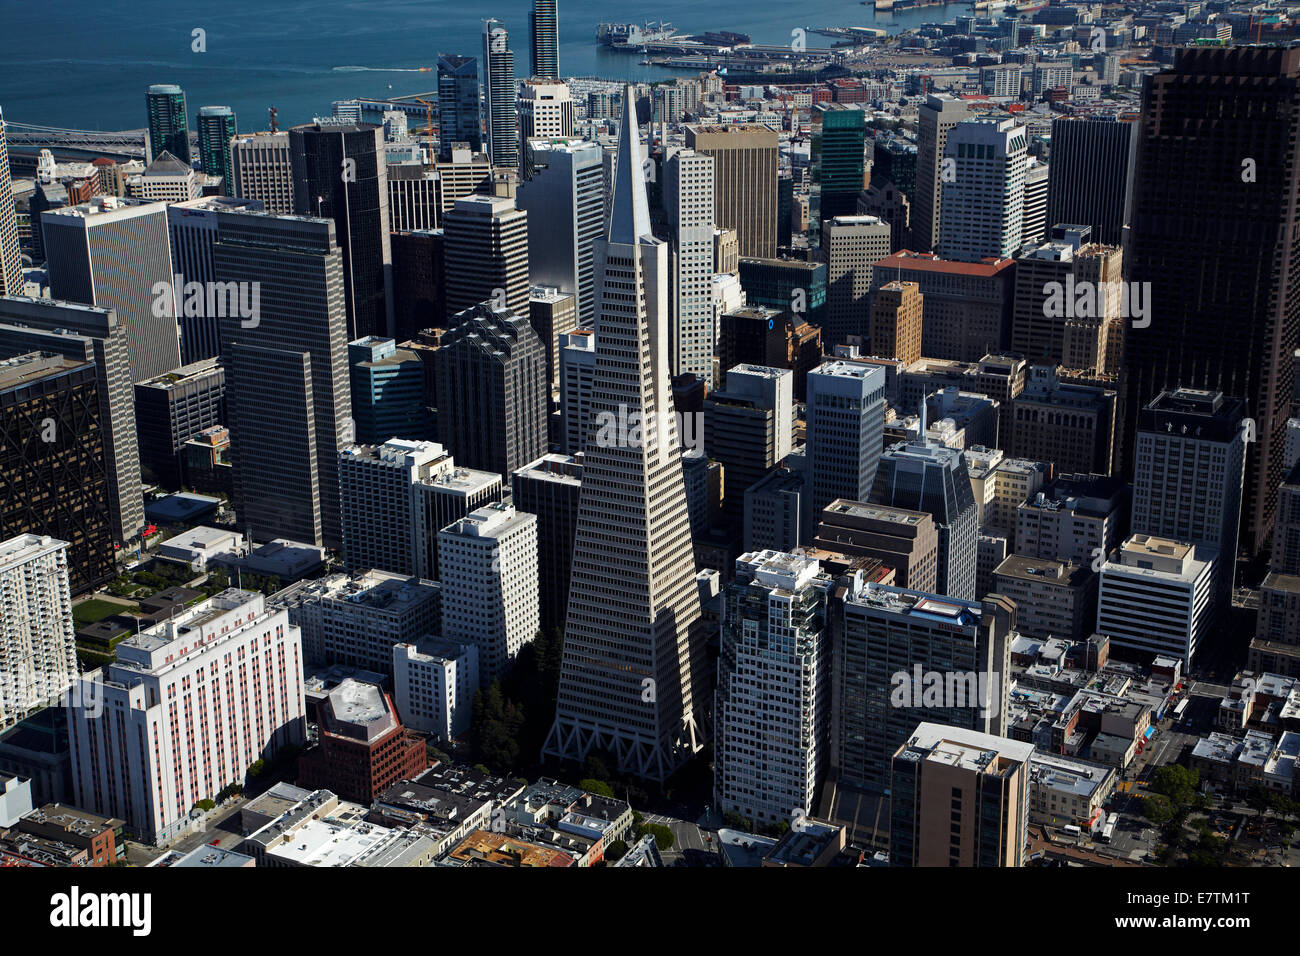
663, 836
256, 769
1259, 800
598, 787
1158, 810
495, 728
1177, 783
616, 851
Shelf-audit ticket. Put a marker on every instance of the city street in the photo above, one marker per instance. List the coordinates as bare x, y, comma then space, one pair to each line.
687, 837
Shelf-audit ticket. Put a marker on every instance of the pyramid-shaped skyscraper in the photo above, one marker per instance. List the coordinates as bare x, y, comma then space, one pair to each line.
632, 681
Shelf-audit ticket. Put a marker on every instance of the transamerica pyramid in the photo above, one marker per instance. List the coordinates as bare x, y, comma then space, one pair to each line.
632, 674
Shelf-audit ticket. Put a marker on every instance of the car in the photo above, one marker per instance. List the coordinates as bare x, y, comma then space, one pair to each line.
216, 842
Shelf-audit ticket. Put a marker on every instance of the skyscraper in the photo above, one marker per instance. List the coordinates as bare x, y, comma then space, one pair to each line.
1052, 323
983, 196
11, 260
187, 684
632, 676
52, 460
169, 127
749, 428
896, 321
339, 173
87, 333
459, 109
773, 701
1090, 177
493, 394
551, 488
688, 198
499, 84
545, 24
38, 652
116, 254
845, 431
191, 231
887, 640
851, 245
397, 496
216, 129
488, 566
841, 171
925, 476
744, 182
261, 169
1213, 224
545, 111
935, 119
1187, 474
485, 255
388, 398
292, 359
566, 191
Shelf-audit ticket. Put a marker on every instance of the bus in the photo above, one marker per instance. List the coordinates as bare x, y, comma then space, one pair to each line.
1109, 829
1180, 708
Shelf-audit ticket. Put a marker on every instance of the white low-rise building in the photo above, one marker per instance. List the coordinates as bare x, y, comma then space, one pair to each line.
197, 546
1155, 596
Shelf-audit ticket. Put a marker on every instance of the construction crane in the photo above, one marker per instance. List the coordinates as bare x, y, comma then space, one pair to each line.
428, 109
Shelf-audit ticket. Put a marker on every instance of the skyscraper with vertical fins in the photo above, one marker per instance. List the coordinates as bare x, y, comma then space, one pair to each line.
632, 678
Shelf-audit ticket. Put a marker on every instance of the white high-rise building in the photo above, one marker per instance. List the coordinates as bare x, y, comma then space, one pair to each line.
983, 180
1156, 596
397, 496
38, 651
1048, 76
688, 198
1189, 465
434, 681
545, 112
633, 643
488, 562
189, 705
773, 701
845, 434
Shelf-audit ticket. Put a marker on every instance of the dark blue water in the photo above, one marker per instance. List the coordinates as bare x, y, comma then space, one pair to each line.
85, 64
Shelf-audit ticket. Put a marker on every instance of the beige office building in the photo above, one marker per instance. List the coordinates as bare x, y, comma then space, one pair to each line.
744, 198
896, 322
959, 798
